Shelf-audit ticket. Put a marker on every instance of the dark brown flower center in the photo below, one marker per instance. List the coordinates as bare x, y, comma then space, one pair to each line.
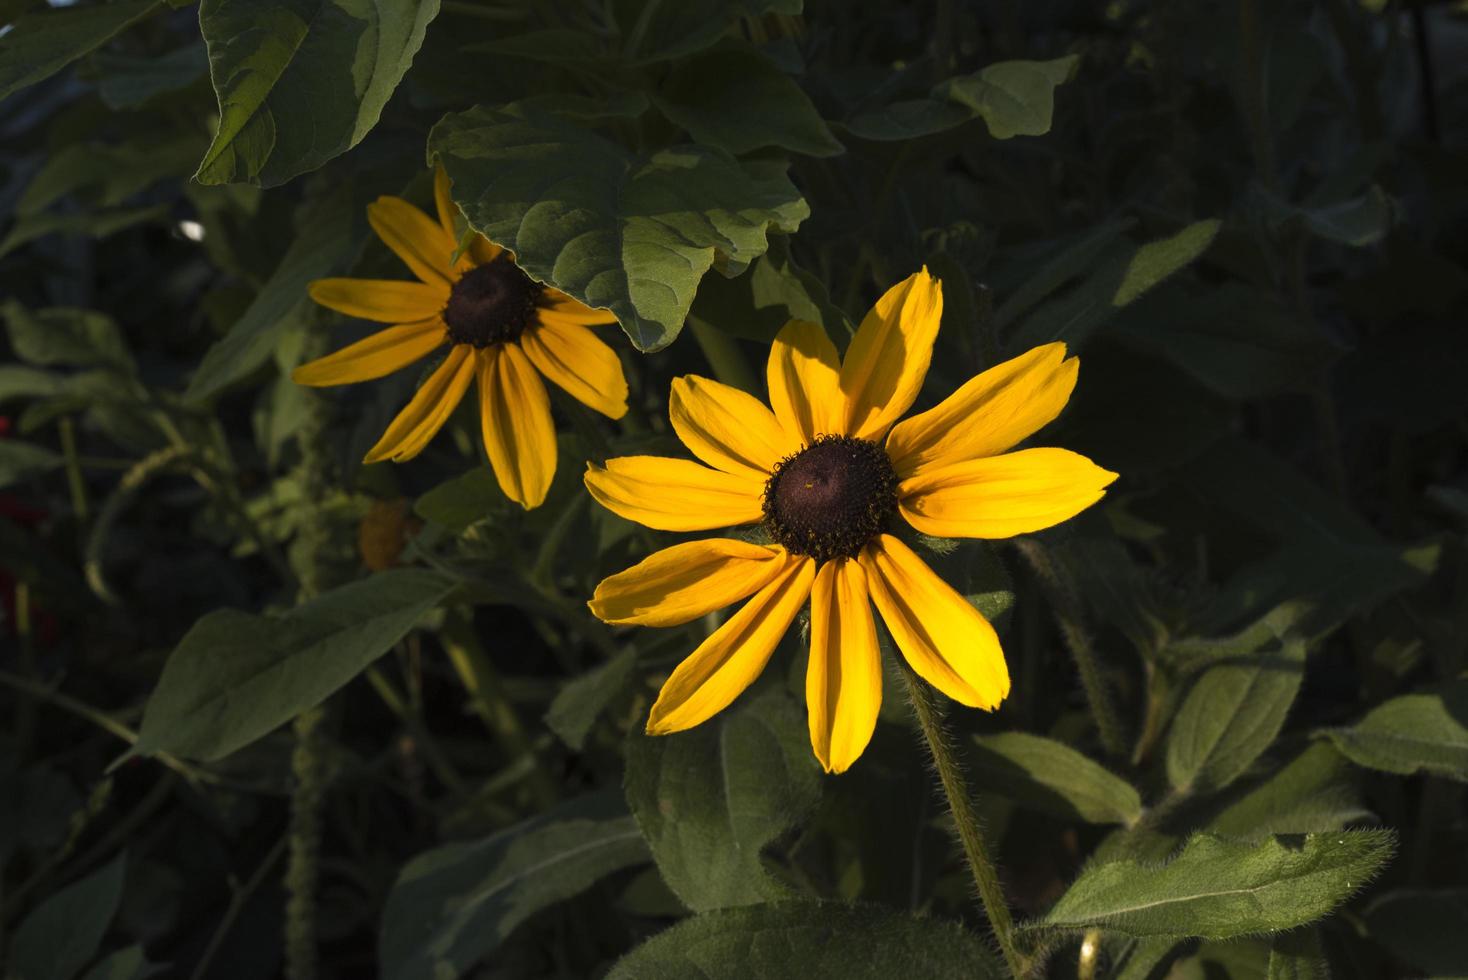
491, 304
831, 498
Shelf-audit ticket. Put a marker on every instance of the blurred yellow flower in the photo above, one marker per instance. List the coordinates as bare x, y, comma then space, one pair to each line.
827, 474
502, 328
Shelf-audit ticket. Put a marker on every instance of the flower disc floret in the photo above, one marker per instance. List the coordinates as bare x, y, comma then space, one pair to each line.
492, 303
832, 497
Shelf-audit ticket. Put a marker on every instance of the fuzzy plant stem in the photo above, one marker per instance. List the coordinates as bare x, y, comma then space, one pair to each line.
970, 832
304, 868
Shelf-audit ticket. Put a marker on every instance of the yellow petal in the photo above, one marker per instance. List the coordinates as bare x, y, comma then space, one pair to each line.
942, 636
374, 357
577, 360
482, 251
679, 584
728, 428
732, 657
1001, 496
565, 308
888, 358
430, 408
804, 377
515, 419
843, 681
415, 238
675, 494
383, 300
448, 211
989, 414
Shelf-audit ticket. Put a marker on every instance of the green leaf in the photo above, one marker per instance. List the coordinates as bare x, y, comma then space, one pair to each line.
632, 233
301, 81
1426, 732
1143, 959
654, 32
460, 501
42, 43
1423, 927
1015, 98
1231, 715
1053, 777
66, 336
908, 120
710, 799
1157, 260
1218, 888
1296, 956
453, 905
17, 381
1311, 794
582, 700
735, 99
126, 81
806, 939
22, 460
91, 223
63, 933
331, 229
234, 677
771, 293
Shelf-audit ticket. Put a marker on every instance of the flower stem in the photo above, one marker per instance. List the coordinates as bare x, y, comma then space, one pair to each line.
970, 833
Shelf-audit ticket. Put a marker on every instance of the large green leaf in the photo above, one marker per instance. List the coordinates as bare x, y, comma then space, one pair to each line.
300, 81
631, 233
1426, 732
453, 905
1231, 715
709, 800
809, 940
735, 99
1218, 888
42, 43
57, 939
1014, 98
1310, 794
235, 676
1053, 777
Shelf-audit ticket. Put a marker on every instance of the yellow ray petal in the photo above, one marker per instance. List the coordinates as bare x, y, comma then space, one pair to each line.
430, 408
415, 238
675, 494
448, 211
804, 377
383, 300
1001, 496
515, 419
942, 636
374, 357
681, 583
888, 358
482, 251
989, 414
732, 657
728, 428
577, 360
843, 680
565, 308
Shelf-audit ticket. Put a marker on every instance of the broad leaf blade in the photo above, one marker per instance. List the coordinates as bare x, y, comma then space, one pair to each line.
301, 81
1425, 732
1218, 888
709, 800
234, 677
63, 933
40, 44
453, 905
804, 939
634, 234
1015, 98
1053, 777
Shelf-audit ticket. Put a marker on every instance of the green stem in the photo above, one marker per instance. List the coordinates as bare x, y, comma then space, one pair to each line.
236, 905
970, 833
74, 481
724, 356
303, 872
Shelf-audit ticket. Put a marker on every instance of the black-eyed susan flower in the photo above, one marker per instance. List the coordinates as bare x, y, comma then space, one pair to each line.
502, 328
829, 476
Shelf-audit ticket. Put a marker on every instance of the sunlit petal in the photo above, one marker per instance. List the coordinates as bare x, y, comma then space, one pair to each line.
681, 583
728, 428
804, 378
515, 418
843, 680
888, 358
376, 356
675, 494
576, 359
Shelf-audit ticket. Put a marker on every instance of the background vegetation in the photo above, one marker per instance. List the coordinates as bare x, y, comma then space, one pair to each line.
267, 710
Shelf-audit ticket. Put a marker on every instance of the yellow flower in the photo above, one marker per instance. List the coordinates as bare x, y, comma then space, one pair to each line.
502, 327
818, 474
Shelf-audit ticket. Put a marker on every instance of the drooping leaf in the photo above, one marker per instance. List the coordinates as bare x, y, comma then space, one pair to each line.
1053, 777
1310, 794
582, 700
1423, 927
235, 676
710, 799
1425, 732
1217, 888
42, 43
301, 81
453, 905
1157, 260
735, 99
1014, 98
631, 233
806, 939
1231, 715
63, 933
